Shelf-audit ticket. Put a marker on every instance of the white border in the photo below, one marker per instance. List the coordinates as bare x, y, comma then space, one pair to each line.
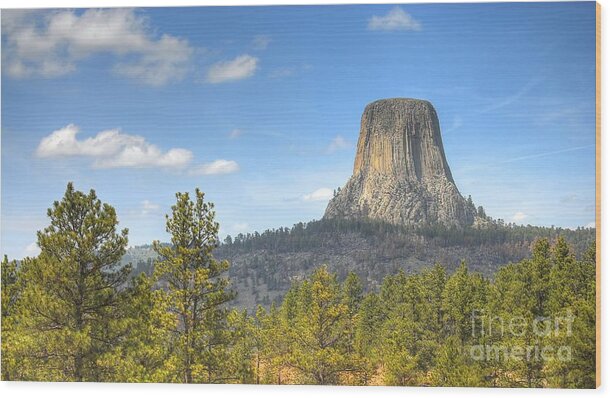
106, 390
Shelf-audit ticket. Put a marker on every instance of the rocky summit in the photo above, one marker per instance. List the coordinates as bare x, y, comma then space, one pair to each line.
401, 175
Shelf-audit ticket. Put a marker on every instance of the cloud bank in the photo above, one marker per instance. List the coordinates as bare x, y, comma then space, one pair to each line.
53, 45
111, 149
114, 149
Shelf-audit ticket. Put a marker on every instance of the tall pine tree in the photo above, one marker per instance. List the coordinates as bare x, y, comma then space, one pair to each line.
71, 302
195, 291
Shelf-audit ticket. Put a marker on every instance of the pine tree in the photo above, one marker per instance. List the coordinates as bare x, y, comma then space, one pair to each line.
11, 290
276, 325
572, 302
455, 368
140, 354
352, 297
196, 292
402, 331
244, 347
318, 336
366, 339
71, 302
433, 283
464, 295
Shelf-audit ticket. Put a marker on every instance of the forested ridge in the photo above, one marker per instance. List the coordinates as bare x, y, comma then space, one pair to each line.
76, 312
263, 265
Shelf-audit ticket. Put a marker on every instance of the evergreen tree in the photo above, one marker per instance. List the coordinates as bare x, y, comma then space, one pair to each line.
318, 336
366, 339
464, 295
352, 297
572, 303
455, 368
11, 290
244, 347
276, 342
141, 353
195, 291
71, 302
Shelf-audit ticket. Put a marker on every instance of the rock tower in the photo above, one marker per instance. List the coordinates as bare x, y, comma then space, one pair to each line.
401, 175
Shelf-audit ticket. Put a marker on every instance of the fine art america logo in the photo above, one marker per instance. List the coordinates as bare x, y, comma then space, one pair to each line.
530, 339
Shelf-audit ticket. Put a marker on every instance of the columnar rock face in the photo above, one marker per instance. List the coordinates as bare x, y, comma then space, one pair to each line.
400, 173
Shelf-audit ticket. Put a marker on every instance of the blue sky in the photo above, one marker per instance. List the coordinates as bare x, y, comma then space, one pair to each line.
260, 107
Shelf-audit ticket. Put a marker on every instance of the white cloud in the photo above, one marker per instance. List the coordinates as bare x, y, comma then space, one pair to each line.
170, 61
519, 216
31, 250
239, 68
320, 194
146, 155
111, 149
396, 19
53, 45
235, 133
337, 144
220, 166
261, 42
148, 207
590, 225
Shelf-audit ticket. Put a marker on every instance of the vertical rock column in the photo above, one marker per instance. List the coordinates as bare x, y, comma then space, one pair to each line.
400, 172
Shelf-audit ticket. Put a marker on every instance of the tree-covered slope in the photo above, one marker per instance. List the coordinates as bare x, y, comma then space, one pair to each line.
264, 265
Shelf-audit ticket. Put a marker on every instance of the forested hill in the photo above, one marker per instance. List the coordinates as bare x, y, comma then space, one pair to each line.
72, 314
264, 265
